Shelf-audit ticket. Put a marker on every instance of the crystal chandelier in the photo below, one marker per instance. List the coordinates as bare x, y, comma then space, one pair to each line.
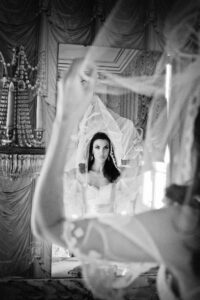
22, 147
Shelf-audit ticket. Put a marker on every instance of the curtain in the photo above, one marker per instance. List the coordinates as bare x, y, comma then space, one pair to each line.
73, 23
15, 233
19, 23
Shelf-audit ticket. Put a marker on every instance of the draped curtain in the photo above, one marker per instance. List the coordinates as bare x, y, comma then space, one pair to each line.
39, 26
15, 233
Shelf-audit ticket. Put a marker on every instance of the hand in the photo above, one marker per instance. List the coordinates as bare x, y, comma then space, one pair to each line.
75, 91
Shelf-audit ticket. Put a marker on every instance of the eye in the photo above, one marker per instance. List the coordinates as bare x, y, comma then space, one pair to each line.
106, 147
97, 147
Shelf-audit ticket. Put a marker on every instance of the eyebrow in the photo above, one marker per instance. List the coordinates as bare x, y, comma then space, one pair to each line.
107, 145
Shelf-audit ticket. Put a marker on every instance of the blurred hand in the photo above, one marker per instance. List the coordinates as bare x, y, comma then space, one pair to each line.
76, 90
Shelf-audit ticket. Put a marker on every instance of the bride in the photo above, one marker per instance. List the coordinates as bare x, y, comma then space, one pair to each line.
95, 186
101, 172
94, 181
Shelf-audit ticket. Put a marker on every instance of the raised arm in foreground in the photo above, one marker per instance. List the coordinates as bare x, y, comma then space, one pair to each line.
75, 92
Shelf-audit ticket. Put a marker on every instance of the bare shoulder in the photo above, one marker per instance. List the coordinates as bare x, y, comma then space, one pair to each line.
75, 174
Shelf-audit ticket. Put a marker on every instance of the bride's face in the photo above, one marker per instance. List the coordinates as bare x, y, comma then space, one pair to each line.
100, 150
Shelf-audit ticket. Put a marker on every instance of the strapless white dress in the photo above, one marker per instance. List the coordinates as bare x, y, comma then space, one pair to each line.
87, 200
99, 201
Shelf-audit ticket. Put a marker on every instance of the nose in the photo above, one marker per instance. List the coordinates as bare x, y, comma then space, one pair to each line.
101, 152
104, 152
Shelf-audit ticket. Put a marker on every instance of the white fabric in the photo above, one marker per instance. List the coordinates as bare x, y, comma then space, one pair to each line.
98, 119
84, 200
98, 200
144, 232
125, 139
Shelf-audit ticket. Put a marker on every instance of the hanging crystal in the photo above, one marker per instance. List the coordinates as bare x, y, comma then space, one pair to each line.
21, 146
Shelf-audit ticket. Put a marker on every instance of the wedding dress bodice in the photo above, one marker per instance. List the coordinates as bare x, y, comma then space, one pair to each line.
99, 200
88, 200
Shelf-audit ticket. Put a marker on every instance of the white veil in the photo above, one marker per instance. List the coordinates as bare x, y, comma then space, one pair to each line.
184, 101
126, 140
126, 149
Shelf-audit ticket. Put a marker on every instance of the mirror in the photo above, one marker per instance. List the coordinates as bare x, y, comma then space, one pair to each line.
129, 110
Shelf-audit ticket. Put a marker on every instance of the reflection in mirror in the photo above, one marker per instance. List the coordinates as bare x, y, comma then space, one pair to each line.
107, 151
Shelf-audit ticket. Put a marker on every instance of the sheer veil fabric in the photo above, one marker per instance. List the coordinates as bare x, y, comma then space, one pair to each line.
126, 145
167, 235
125, 138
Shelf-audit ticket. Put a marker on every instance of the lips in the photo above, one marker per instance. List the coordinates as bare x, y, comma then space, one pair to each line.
102, 157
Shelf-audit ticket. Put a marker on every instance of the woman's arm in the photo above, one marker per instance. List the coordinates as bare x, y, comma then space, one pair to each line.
152, 236
48, 210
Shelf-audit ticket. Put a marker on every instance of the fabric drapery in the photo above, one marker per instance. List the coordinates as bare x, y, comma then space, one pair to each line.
20, 22
123, 25
15, 232
21, 254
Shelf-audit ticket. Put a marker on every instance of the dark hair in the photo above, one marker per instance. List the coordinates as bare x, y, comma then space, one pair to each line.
177, 193
110, 171
196, 181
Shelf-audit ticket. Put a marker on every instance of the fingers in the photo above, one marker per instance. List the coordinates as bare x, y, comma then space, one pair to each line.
76, 89
73, 70
82, 74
